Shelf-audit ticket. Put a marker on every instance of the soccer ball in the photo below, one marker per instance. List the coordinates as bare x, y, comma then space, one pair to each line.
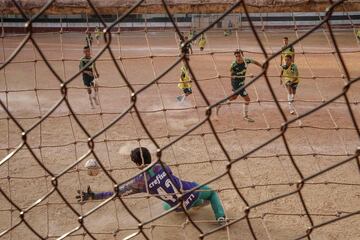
92, 167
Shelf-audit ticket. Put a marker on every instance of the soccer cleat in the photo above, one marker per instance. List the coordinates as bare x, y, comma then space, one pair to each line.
292, 112
180, 98
246, 118
221, 221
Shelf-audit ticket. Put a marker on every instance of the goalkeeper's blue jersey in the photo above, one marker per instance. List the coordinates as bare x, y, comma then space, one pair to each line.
163, 184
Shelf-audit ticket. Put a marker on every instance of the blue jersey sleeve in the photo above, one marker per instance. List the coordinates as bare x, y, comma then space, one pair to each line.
135, 185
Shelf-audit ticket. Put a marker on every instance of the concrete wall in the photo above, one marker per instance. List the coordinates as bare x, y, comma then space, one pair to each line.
197, 21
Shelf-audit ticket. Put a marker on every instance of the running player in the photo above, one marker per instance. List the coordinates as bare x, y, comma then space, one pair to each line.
184, 84
238, 72
230, 27
97, 35
192, 33
160, 181
291, 78
228, 30
88, 38
202, 42
89, 74
186, 49
286, 50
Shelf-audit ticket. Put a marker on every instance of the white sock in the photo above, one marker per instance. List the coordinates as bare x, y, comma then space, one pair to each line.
183, 98
246, 109
289, 97
291, 107
90, 99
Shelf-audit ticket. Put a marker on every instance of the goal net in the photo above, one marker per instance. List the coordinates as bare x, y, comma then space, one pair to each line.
280, 176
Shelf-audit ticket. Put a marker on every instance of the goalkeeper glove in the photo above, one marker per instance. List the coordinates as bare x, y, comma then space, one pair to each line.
84, 196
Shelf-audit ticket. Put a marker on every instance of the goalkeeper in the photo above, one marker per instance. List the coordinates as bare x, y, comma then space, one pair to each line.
163, 184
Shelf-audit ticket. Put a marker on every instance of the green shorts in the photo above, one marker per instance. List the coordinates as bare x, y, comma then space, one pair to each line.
187, 91
236, 85
292, 85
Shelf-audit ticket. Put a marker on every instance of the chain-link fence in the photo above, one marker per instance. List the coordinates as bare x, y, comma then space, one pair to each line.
135, 111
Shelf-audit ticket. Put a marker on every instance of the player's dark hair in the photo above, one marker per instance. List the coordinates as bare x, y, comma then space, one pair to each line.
237, 51
286, 38
86, 47
140, 156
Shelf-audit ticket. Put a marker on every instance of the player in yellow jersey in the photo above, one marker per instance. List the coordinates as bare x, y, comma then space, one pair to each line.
184, 84
202, 42
358, 34
287, 50
290, 77
97, 35
192, 33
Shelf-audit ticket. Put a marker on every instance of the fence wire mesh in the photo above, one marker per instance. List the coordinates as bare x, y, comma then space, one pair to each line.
135, 112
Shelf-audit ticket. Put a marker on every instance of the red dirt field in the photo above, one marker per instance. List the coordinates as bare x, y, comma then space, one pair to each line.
316, 141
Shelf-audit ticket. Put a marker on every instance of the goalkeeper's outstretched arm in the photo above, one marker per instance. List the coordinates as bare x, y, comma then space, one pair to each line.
132, 187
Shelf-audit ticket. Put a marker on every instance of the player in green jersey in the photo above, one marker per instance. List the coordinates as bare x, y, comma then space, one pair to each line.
238, 73
89, 74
